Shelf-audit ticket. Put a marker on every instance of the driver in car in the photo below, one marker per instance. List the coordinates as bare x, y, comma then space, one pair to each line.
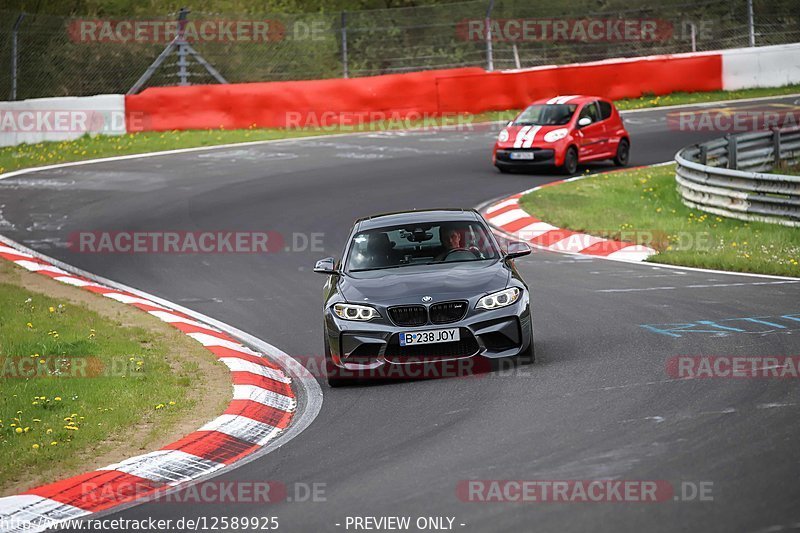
451, 240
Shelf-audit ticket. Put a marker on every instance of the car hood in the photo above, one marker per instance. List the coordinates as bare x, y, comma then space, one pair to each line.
410, 283
536, 132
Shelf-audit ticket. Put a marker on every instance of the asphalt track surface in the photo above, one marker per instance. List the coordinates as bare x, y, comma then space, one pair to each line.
597, 404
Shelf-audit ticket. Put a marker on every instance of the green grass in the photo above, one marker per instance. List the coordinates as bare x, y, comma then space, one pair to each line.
50, 421
643, 206
793, 170
48, 153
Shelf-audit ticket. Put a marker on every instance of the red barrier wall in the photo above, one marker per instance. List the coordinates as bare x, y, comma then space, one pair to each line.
612, 79
472, 90
272, 104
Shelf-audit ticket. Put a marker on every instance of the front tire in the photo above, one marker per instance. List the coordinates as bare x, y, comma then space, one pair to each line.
623, 153
570, 165
503, 170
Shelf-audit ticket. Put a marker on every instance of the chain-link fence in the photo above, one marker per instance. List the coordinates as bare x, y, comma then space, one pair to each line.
43, 55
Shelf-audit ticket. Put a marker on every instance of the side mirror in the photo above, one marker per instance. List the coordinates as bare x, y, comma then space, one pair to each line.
517, 249
326, 266
584, 121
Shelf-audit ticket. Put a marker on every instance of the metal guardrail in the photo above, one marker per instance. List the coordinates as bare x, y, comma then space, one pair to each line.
726, 176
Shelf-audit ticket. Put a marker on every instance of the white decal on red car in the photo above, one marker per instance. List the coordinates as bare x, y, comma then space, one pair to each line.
525, 136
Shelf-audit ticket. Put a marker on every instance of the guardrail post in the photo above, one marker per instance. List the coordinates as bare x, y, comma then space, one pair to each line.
703, 154
733, 154
776, 147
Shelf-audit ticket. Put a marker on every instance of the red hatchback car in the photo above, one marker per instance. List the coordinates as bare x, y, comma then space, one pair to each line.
563, 131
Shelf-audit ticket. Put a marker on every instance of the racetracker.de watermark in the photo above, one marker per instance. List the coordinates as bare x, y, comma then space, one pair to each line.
72, 366
656, 239
566, 30
194, 242
70, 121
212, 492
733, 367
349, 121
90, 31
582, 491
732, 121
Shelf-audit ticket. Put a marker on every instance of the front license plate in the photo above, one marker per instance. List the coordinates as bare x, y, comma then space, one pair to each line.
522, 155
429, 337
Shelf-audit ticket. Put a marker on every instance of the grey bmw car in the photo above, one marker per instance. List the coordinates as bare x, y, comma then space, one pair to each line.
421, 288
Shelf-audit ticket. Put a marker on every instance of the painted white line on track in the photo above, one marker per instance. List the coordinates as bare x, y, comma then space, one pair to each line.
700, 286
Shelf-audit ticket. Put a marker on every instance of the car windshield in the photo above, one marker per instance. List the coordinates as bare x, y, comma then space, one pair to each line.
420, 244
546, 115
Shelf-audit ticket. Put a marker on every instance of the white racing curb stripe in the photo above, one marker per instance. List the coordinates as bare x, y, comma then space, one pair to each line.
504, 203
14, 251
38, 267
169, 467
240, 365
127, 299
210, 340
532, 231
243, 428
508, 217
172, 318
71, 280
264, 397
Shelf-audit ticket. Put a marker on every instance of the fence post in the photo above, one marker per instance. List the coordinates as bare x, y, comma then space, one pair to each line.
703, 154
733, 155
751, 27
14, 54
489, 53
344, 45
776, 146
693, 28
516, 56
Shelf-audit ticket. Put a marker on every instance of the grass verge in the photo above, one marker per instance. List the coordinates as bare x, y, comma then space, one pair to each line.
87, 147
87, 381
643, 206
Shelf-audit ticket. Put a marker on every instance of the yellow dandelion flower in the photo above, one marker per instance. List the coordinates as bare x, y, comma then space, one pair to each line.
35, 446
51, 309
18, 431
29, 325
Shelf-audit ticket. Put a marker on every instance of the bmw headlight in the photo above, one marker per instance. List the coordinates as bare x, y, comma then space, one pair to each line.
361, 313
499, 299
555, 135
503, 137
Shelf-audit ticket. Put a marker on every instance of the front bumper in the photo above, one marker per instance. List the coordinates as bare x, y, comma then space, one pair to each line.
541, 156
486, 334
